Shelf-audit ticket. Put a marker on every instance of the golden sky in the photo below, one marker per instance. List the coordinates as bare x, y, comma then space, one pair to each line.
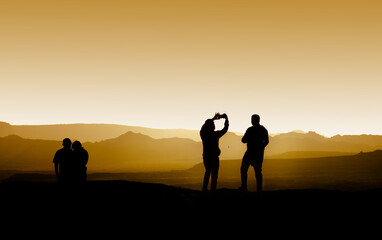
308, 64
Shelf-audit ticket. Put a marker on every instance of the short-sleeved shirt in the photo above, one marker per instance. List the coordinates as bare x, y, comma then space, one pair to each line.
256, 138
61, 157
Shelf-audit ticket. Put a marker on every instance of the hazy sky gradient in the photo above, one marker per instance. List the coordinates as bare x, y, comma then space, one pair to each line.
309, 65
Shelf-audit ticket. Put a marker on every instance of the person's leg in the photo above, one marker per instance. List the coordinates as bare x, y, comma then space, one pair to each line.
258, 165
214, 174
206, 179
244, 174
259, 176
214, 181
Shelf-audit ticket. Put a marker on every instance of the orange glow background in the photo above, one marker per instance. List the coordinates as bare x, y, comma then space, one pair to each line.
309, 65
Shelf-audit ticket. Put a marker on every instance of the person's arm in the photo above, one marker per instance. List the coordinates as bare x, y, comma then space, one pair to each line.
266, 137
244, 139
55, 161
202, 132
56, 169
86, 158
226, 125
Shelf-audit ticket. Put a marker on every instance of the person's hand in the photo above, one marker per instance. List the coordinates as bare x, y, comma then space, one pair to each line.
217, 116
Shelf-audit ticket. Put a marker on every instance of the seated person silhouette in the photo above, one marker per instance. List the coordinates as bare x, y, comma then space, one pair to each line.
62, 160
80, 159
211, 150
256, 138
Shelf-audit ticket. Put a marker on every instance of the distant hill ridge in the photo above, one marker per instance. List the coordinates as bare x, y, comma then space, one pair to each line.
128, 152
90, 132
98, 132
144, 149
138, 152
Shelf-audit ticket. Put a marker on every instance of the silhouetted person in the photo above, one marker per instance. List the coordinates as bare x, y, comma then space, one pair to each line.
256, 138
80, 159
61, 161
211, 150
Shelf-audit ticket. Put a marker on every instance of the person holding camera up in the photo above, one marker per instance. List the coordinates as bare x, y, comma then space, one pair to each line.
211, 150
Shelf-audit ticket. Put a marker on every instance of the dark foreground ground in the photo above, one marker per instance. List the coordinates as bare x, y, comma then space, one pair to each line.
128, 205
128, 196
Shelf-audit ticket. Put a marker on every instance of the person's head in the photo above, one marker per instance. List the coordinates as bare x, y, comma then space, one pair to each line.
209, 125
67, 143
255, 119
76, 145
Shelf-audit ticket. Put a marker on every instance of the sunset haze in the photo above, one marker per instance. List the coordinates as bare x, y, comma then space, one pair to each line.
307, 65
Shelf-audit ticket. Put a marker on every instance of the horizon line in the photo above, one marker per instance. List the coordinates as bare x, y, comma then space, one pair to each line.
187, 129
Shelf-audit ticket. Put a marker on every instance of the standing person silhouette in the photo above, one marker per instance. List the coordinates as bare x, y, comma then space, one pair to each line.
211, 150
61, 161
81, 157
256, 138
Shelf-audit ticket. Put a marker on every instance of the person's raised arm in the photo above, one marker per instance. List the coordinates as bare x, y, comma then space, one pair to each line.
226, 125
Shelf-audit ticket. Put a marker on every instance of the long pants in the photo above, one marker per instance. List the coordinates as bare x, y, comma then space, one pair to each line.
212, 169
255, 160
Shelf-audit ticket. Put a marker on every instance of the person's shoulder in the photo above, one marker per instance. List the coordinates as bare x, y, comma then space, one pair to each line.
59, 151
250, 128
263, 128
64, 151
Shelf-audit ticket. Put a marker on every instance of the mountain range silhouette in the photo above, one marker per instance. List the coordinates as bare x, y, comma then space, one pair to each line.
133, 151
89, 132
128, 152
99, 132
295, 160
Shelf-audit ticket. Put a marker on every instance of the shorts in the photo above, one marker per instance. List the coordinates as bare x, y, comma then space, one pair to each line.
211, 162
